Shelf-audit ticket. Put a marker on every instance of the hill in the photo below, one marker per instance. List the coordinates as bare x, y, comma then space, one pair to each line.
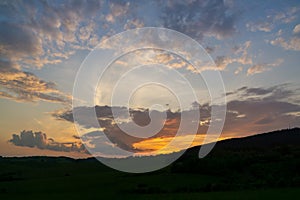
265, 166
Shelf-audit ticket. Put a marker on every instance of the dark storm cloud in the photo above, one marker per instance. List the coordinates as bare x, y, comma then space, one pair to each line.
40, 140
199, 18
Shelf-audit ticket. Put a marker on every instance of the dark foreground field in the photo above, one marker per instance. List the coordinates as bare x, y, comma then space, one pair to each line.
264, 166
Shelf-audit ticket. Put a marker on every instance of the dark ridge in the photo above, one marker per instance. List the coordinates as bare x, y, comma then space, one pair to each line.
259, 141
290, 137
264, 162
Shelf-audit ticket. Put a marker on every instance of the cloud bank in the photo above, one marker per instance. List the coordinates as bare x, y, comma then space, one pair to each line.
251, 110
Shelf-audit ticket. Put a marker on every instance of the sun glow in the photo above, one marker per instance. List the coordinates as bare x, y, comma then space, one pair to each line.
165, 145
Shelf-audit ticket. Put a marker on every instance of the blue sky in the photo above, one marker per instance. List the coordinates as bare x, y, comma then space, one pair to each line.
254, 44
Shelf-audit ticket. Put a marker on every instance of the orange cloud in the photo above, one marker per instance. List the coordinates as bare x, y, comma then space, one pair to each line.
164, 145
24, 86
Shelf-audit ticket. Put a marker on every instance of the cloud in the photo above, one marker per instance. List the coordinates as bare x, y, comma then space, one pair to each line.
287, 16
117, 9
134, 23
292, 44
259, 68
44, 30
40, 140
18, 41
39, 33
201, 18
269, 22
255, 116
296, 29
158, 144
210, 49
111, 124
238, 70
256, 69
289, 44
279, 93
255, 110
24, 86
36, 33
250, 110
239, 56
260, 26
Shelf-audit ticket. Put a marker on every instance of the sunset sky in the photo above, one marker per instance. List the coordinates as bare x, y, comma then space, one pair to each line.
255, 45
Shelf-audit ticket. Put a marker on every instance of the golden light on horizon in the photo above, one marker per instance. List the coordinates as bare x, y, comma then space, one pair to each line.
165, 145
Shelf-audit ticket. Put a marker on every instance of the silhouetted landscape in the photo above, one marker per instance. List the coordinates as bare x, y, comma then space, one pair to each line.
260, 166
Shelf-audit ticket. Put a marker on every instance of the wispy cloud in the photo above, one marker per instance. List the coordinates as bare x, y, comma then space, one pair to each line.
293, 43
240, 55
272, 19
259, 68
24, 86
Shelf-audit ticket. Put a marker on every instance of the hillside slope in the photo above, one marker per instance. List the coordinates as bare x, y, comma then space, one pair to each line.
265, 166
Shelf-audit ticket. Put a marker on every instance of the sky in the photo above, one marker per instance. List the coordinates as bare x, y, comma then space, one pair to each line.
254, 45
